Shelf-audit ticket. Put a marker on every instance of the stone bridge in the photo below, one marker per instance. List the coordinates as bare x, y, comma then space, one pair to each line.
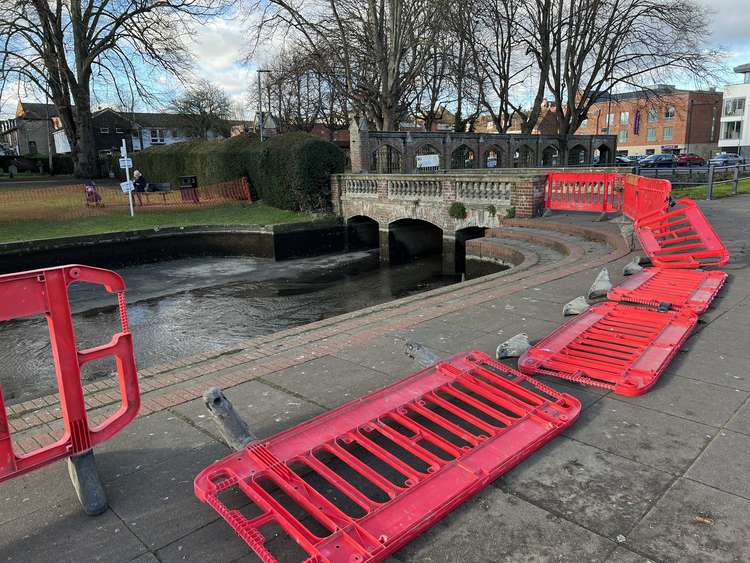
408, 214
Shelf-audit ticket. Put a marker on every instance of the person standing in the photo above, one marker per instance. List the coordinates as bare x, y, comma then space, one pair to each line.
139, 185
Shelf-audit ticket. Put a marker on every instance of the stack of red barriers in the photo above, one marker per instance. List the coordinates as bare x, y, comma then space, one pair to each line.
625, 345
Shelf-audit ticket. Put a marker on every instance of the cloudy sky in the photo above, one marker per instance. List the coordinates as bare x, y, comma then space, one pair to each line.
219, 46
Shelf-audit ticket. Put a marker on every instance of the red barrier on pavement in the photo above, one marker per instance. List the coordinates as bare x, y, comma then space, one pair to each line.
612, 346
653, 287
358, 482
643, 196
45, 292
583, 191
681, 238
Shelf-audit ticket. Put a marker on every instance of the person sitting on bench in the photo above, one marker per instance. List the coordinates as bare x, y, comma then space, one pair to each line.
139, 185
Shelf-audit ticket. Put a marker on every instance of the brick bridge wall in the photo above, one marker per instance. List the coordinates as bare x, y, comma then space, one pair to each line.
386, 198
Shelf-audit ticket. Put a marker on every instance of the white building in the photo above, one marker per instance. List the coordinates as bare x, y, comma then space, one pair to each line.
735, 115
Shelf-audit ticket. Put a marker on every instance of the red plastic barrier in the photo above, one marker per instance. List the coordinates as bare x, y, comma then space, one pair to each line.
681, 238
690, 289
643, 196
583, 191
358, 482
45, 292
612, 346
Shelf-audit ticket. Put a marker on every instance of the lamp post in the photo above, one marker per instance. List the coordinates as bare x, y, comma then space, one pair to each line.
260, 102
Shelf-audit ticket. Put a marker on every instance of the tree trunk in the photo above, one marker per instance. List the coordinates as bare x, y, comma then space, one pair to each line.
84, 153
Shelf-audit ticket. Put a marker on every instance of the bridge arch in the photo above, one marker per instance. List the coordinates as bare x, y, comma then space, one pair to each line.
413, 238
362, 233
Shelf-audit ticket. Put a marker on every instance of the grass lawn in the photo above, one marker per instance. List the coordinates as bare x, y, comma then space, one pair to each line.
720, 190
233, 214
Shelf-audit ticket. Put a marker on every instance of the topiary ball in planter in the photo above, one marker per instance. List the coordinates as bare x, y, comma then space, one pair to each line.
457, 210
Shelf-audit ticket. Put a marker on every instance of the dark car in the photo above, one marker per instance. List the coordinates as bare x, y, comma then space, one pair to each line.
726, 159
658, 161
690, 159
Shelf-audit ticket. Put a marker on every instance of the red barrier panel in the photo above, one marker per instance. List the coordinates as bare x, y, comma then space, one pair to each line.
358, 482
612, 346
681, 238
643, 196
45, 292
583, 191
690, 289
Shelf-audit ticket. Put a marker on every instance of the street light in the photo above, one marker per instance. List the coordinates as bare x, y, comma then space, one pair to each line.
260, 102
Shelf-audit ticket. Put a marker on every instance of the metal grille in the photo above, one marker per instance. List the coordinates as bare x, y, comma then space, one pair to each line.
682, 238
612, 346
358, 482
679, 288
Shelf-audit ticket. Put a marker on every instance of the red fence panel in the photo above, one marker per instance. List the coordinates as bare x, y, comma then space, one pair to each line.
681, 238
612, 346
690, 289
643, 196
45, 292
583, 191
358, 482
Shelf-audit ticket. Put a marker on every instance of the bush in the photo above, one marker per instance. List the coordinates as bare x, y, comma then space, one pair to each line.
492, 210
61, 164
289, 171
510, 213
457, 210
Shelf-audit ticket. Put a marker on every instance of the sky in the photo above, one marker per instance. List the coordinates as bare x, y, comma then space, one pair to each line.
218, 48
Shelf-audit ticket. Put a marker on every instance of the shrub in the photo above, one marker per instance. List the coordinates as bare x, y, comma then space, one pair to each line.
491, 209
457, 210
510, 213
289, 171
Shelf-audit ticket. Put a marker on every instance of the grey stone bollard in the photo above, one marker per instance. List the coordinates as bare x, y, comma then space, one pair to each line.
575, 307
423, 355
601, 285
233, 428
86, 482
513, 347
632, 267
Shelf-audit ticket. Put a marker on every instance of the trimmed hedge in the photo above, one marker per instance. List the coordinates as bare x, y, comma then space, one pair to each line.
61, 164
289, 171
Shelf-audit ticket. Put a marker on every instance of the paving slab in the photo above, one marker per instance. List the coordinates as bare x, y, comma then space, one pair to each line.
147, 441
720, 369
616, 492
330, 381
266, 409
147, 557
158, 503
440, 335
694, 522
656, 439
216, 541
740, 422
382, 353
65, 534
725, 464
690, 398
497, 526
622, 555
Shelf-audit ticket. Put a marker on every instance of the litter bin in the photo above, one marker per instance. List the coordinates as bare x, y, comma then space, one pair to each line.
189, 188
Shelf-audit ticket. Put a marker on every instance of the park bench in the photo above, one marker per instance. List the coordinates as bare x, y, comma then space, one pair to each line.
154, 189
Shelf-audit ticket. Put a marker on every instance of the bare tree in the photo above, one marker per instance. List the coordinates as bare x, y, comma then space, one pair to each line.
372, 50
592, 47
62, 45
204, 107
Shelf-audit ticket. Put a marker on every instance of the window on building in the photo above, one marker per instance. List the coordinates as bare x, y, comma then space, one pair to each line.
652, 115
584, 124
157, 136
649, 152
670, 112
667, 133
731, 130
622, 136
104, 130
610, 119
624, 117
734, 107
651, 134
119, 130
32, 147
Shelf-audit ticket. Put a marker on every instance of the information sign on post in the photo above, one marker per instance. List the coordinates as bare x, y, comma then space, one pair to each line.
428, 161
126, 164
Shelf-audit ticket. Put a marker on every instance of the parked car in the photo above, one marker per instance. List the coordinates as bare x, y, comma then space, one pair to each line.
658, 161
623, 161
690, 159
635, 158
726, 159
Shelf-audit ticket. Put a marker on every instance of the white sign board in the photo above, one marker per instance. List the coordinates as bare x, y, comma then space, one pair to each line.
428, 161
126, 163
127, 186
123, 151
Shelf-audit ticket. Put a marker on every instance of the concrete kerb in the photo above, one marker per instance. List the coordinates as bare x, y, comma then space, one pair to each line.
298, 345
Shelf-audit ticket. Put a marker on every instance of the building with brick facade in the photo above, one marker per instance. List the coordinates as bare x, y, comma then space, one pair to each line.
659, 120
29, 132
735, 115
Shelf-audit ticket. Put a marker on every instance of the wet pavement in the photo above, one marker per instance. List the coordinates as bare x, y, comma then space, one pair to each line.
661, 477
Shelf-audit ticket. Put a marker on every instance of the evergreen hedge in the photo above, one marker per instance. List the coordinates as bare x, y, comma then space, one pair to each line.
289, 171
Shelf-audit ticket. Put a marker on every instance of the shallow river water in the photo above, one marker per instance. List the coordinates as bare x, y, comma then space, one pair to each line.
188, 306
